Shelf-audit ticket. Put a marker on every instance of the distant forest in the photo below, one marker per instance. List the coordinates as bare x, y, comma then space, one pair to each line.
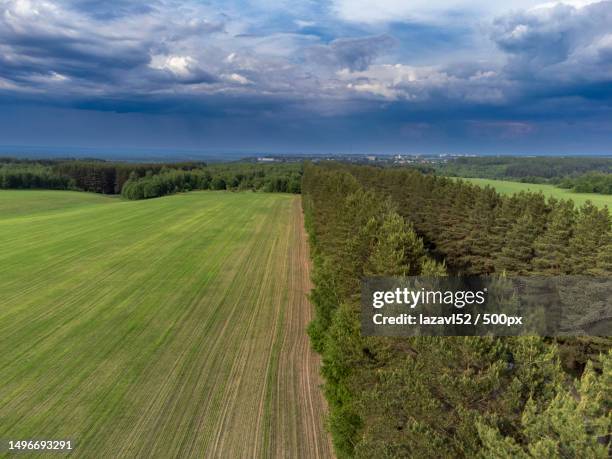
583, 175
523, 397
142, 181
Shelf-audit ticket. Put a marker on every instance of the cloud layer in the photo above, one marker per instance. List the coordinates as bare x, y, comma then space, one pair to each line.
443, 69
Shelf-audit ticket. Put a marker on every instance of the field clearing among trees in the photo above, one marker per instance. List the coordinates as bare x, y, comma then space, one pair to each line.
172, 327
508, 187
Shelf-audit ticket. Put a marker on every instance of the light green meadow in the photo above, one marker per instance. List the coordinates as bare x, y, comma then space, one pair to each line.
507, 187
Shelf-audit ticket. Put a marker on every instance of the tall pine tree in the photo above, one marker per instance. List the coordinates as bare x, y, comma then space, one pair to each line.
517, 253
592, 226
552, 248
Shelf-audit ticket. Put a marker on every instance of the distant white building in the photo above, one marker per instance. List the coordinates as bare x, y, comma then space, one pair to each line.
265, 160
371, 158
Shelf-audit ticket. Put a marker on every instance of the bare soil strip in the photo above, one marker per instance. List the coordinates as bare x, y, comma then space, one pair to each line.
298, 406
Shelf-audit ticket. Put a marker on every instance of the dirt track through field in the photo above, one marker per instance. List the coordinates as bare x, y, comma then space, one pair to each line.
298, 406
174, 327
287, 418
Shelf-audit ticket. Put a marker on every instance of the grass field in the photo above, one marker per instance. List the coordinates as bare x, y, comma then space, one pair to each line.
28, 203
507, 187
172, 327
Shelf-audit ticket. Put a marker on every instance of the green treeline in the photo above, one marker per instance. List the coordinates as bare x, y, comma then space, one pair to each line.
583, 175
85, 175
593, 182
108, 177
283, 178
141, 180
30, 176
448, 397
168, 182
273, 177
534, 169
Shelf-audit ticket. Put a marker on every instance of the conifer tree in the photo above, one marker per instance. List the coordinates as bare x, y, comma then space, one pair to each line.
552, 248
566, 426
536, 206
397, 250
505, 215
432, 268
476, 248
517, 253
603, 266
454, 227
592, 226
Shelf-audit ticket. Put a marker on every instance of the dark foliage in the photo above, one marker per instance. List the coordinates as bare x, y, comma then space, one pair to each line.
148, 180
28, 176
442, 397
109, 178
285, 178
594, 182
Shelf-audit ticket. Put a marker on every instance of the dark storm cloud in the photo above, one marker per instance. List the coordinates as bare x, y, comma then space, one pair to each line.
80, 57
546, 37
56, 42
295, 69
351, 53
561, 44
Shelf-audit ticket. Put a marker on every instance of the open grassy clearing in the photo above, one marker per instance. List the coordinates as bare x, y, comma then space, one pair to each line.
29, 203
172, 327
507, 187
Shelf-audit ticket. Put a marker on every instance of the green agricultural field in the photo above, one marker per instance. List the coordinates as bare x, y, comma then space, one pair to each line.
171, 327
29, 203
507, 187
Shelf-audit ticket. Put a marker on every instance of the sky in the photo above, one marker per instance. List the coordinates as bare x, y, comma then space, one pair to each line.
328, 76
